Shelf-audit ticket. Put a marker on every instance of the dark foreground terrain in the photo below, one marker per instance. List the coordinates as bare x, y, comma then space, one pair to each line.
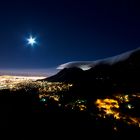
23, 114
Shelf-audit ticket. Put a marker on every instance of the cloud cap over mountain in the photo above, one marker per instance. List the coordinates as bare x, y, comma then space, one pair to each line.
86, 65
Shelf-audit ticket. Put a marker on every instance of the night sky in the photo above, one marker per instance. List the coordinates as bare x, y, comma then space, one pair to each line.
66, 30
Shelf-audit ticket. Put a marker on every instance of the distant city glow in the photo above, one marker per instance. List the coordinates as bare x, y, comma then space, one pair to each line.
31, 40
118, 108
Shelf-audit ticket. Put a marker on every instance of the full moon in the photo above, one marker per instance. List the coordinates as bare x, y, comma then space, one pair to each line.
31, 40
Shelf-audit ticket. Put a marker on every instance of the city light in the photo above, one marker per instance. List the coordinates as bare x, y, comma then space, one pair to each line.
118, 107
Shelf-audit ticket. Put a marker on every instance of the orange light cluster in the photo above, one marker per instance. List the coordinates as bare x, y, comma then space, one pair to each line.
108, 106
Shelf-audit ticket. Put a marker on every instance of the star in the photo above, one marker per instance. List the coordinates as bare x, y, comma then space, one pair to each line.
31, 40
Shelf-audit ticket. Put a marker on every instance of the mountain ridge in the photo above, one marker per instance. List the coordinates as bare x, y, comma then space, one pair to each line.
121, 75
